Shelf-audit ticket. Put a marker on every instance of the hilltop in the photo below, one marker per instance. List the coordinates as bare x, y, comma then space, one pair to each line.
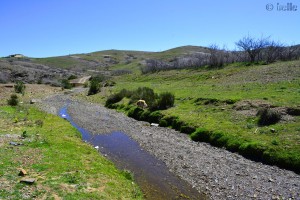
109, 62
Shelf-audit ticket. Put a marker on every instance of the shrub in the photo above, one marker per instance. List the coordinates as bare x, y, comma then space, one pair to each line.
146, 94
20, 87
155, 117
253, 150
13, 101
114, 98
66, 84
187, 129
169, 120
176, 124
145, 116
163, 123
24, 134
94, 87
201, 134
72, 76
166, 100
135, 112
268, 116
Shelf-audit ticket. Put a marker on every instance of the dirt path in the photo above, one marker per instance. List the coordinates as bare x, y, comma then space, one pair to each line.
217, 172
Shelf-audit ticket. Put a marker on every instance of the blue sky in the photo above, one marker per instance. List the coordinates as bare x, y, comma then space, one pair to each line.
44, 28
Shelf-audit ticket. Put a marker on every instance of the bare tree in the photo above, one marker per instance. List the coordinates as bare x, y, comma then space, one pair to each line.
216, 58
273, 51
252, 46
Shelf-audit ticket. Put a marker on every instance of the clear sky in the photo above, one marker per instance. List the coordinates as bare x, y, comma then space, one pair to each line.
44, 28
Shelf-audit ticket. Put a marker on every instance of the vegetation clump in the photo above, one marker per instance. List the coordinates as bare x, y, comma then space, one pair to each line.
20, 87
268, 116
13, 101
154, 101
66, 84
95, 85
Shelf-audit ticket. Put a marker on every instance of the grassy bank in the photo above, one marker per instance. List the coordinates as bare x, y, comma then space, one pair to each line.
223, 104
52, 153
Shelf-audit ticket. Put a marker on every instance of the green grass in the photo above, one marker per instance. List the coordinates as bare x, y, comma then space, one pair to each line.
54, 154
276, 84
59, 62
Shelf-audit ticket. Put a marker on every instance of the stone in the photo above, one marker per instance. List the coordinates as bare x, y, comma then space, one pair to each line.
22, 172
272, 130
27, 180
15, 143
33, 101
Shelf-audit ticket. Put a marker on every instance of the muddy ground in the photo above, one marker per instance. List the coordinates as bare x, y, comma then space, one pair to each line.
218, 173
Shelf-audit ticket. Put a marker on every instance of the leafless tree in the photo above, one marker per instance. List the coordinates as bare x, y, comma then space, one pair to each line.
273, 51
252, 46
216, 58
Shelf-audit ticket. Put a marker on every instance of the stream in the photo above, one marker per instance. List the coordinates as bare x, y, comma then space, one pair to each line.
151, 174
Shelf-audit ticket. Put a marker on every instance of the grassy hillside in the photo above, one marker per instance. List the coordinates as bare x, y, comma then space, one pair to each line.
227, 100
53, 153
110, 60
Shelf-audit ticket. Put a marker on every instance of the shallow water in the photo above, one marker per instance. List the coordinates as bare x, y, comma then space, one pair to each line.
151, 174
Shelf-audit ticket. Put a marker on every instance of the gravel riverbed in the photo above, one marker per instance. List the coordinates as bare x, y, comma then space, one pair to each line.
216, 172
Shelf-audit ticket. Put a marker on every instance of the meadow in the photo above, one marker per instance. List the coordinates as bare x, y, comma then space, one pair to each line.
224, 102
51, 151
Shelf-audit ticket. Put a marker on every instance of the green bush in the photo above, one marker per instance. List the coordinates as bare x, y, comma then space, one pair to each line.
163, 123
252, 150
218, 139
114, 98
94, 87
187, 129
20, 87
66, 84
72, 76
146, 94
176, 124
13, 101
155, 117
166, 100
135, 112
145, 116
201, 134
268, 116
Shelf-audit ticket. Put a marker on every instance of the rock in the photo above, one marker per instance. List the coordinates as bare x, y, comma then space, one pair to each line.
27, 180
22, 172
272, 130
154, 124
33, 101
15, 143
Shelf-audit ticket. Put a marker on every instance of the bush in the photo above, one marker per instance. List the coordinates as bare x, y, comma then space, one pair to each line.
94, 87
72, 76
13, 101
187, 129
201, 134
163, 123
166, 100
135, 112
146, 94
155, 117
218, 139
114, 98
66, 84
176, 124
20, 87
145, 116
268, 116
252, 150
